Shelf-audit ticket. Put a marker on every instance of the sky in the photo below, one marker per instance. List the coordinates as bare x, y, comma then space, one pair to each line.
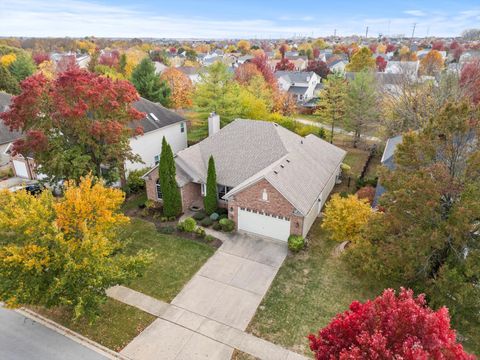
235, 19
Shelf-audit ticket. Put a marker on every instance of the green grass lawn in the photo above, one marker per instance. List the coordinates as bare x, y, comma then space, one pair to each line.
175, 261
309, 290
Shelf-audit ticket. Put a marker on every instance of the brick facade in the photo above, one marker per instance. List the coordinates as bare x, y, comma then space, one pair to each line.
276, 204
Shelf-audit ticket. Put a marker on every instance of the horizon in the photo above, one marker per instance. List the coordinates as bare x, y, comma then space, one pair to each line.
213, 20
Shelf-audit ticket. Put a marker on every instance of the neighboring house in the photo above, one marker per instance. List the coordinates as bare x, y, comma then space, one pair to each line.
387, 161
409, 68
158, 122
160, 67
192, 72
303, 85
299, 64
272, 181
337, 64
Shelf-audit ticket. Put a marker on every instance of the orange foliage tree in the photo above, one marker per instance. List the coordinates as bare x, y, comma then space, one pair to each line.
181, 88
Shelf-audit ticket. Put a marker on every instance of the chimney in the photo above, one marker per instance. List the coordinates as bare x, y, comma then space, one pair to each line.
213, 123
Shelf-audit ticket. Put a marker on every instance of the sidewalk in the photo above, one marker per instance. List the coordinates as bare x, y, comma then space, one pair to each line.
188, 335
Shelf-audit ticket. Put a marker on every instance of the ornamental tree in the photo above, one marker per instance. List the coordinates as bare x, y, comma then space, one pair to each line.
389, 327
75, 124
211, 197
345, 217
181, 88
172, 200
361, 60
64, 252
381, 63
148, 83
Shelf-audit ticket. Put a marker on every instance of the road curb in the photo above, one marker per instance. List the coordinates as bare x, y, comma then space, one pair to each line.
92, 345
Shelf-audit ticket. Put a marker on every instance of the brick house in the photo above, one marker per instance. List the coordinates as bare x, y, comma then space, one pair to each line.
272, 181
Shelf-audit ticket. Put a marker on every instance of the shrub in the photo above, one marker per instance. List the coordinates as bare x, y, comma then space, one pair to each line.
217, 226
172, 218
367, 192
163, 219
206, 222
223, 216
200, 215
366, 182
209, 238
344, 194
296, 243
189, 224
200, 232
180, 227
227, 225
167, 229
135, 183
222, 211
214, 216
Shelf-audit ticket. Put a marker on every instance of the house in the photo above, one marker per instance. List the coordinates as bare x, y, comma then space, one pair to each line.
303, 85
158, 122
273, 182
409, 68
387, 160
192, 72
337, 64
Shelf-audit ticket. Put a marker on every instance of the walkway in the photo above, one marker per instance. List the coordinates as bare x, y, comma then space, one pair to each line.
208, 318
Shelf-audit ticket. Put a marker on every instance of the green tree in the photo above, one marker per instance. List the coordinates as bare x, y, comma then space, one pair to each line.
361, 60
428, 237
211, 197
332, 103
148, 83
122, 64
8, 83
172, 200
22, 67
217, 92
64, 252
361, 101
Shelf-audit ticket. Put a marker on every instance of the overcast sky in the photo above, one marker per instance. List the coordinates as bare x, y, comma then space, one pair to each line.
235, 19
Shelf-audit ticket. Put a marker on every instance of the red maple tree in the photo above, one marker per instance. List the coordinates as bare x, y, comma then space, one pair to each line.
285, 65
261, 62
319, 67
381, 63
40, 57
389, 327
470, 80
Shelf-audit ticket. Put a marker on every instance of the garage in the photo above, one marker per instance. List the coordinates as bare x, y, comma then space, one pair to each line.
21, 169
263, 224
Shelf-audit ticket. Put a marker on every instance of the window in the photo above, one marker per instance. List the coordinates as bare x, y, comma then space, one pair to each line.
223, 190
157, 159
159, 191
264, 195
203, 189
182, 127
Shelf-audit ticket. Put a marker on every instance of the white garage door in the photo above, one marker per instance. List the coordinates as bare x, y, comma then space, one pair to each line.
266, 225
20, 169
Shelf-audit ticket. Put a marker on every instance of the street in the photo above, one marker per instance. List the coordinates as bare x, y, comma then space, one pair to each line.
24, 339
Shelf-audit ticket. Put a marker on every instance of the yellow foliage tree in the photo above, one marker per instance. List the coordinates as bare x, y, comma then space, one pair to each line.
47, 68
7, 59
381, 48
361, 60
181, 88
243, 46
320, 44
134, 56
86, 46
64, 252
432, 63
345, 217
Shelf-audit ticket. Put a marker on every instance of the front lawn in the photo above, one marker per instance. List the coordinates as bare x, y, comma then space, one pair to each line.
175, 261
309, 290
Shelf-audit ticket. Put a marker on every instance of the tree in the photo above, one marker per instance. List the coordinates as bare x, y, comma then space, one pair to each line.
75, 124
261, 62
7, 59
47, 68
67, 63
216, 92
243, 46
361, 60
470, 80
210, 201
181, 88
94, 56
122, 64
8, 83
172, 200
431, 64
361, 101
110, 59
285, 65
22, 67
381, 63
40, 57
148, 83
428, 234
438, 45
389, 327
64, 252
332, 103
344, 218
319, 67
381, 48
245, 72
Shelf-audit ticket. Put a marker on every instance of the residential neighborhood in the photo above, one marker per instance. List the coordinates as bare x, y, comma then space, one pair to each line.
225, 181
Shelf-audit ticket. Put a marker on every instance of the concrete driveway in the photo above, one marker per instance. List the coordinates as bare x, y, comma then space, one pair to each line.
232, 283
217, 303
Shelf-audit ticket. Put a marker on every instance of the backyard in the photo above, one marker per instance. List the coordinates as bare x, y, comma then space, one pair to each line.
175, 261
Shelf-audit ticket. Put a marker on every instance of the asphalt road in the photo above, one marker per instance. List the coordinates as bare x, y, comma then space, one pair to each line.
24, 339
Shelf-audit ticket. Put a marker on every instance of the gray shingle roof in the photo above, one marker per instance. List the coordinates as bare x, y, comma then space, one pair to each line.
298, 90
295, 76
248, 150
6, 135
149, 123
390, 147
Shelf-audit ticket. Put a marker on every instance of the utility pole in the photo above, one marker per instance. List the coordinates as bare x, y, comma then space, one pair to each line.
413, 33
366, 33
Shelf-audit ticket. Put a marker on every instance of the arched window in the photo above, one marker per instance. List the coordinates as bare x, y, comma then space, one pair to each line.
159, 190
